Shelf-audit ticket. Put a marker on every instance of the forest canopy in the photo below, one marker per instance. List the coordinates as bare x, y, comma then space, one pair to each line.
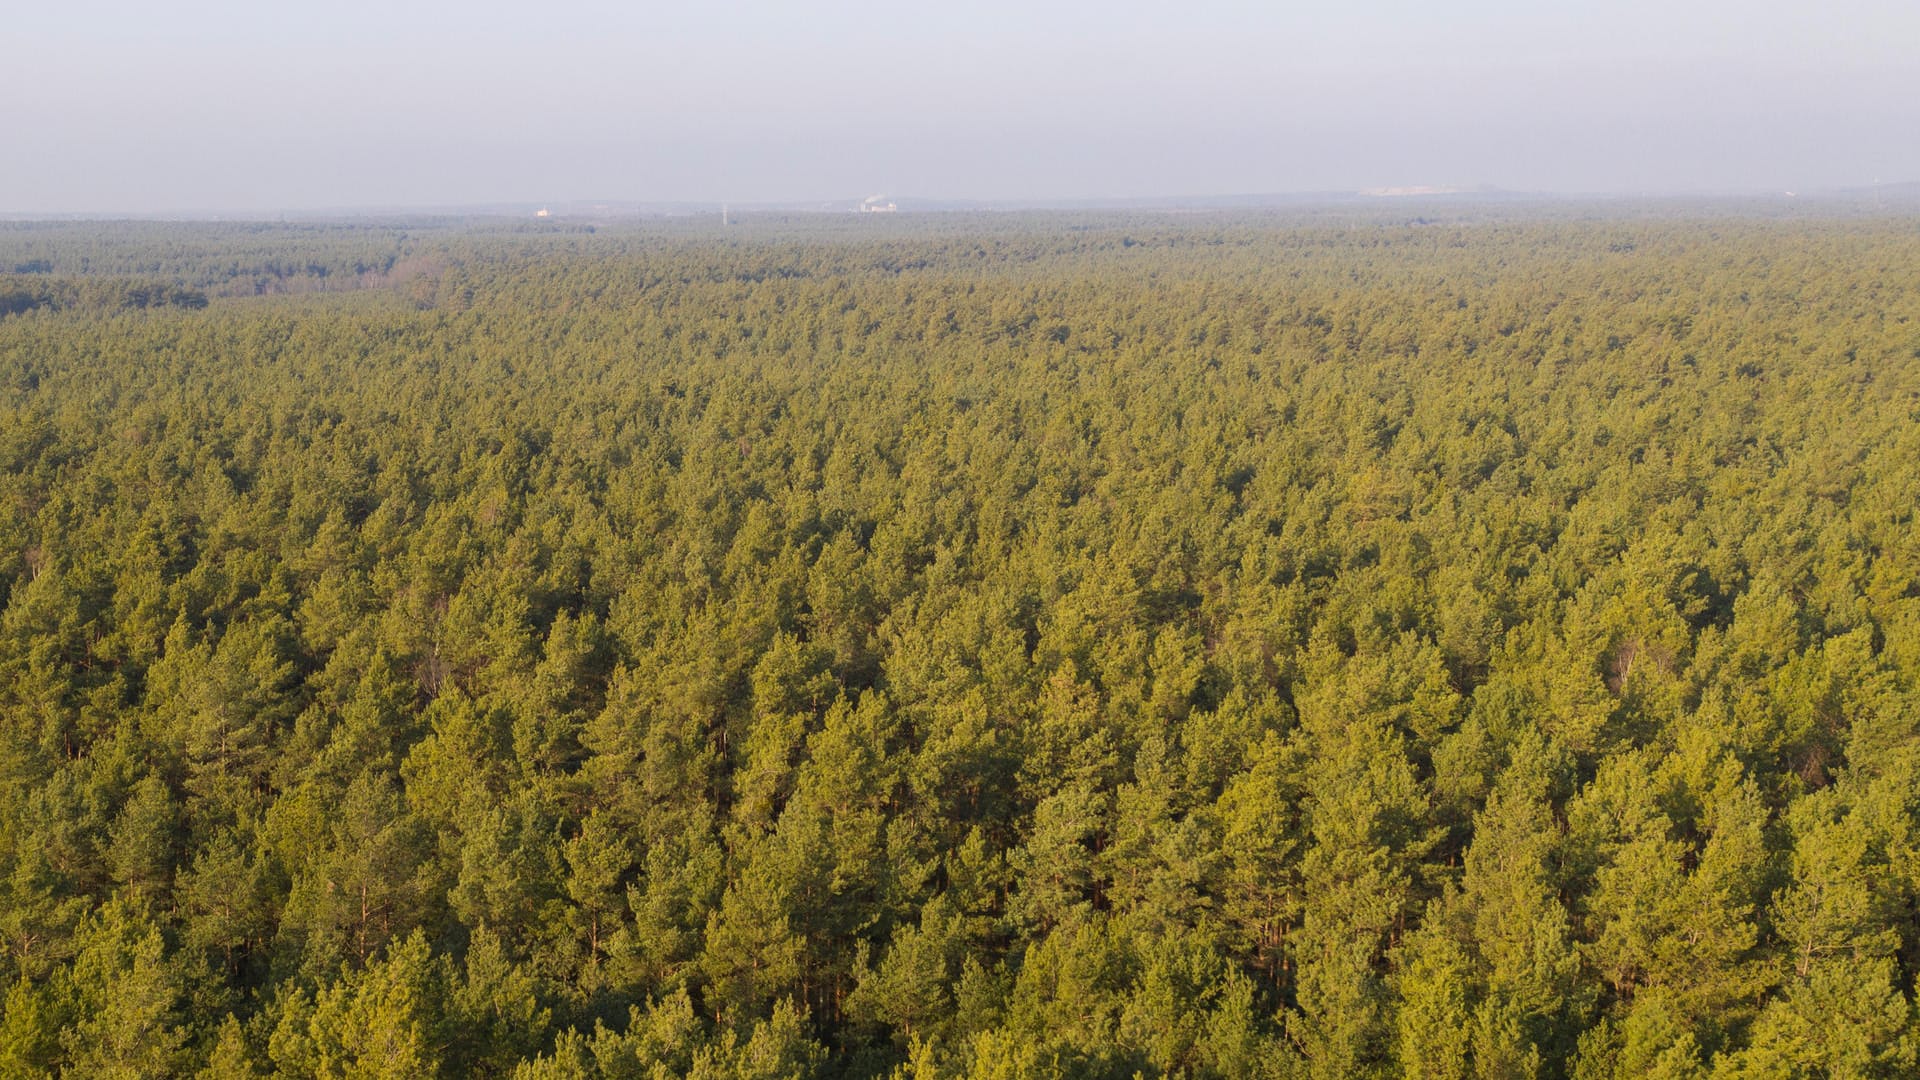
1060, 646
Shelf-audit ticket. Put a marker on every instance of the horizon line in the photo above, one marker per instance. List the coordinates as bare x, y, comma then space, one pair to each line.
551, 209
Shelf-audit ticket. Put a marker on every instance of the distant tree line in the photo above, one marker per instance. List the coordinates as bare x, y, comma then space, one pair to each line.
21, 293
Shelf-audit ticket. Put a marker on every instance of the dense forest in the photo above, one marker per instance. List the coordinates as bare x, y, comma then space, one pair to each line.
1011, 646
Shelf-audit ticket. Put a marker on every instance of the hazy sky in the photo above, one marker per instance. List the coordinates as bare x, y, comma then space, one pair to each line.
264, 105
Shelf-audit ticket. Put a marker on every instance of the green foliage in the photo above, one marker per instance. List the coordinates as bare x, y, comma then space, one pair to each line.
979, 647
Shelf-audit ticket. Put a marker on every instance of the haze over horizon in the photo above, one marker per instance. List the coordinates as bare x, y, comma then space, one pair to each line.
215, 105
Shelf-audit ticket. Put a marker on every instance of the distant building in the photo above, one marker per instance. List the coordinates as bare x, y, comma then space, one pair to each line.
878, 204
1405, 192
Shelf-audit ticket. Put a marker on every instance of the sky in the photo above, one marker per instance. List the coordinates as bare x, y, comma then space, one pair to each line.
245, 106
